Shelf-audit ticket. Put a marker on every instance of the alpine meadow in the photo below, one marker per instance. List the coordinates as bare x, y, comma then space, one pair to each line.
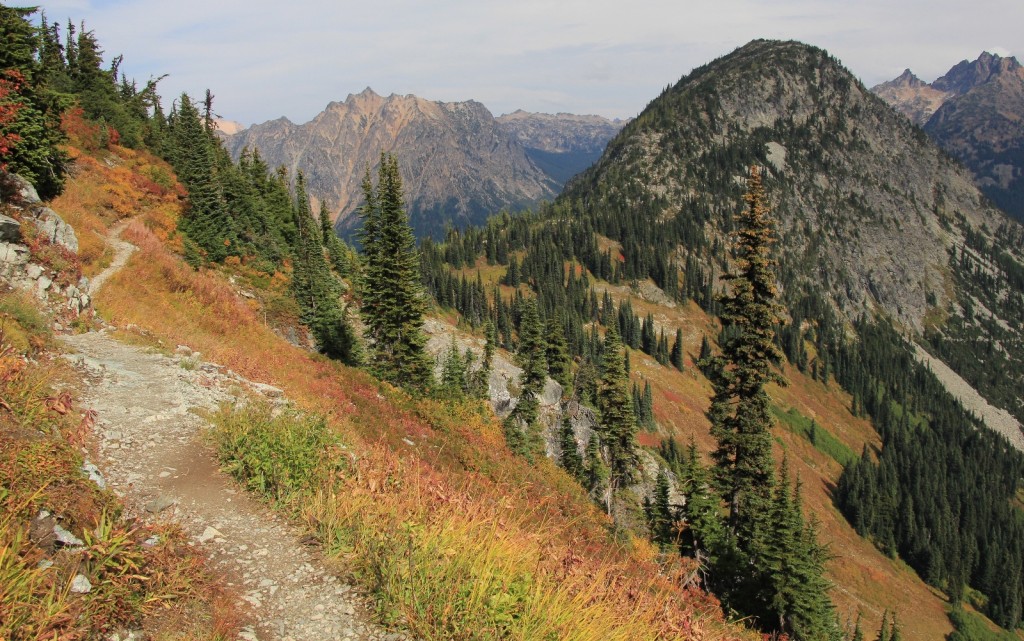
748, 365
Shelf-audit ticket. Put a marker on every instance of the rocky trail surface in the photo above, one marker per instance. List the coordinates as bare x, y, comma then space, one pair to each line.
151, 451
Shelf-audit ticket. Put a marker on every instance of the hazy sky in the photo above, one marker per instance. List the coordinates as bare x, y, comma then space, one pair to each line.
266, 59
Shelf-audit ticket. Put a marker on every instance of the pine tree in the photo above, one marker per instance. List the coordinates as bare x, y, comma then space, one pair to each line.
522, 431
453, 373
315, 287
659, 514
676, 356
570, 459
618, 420
391, 291
559, 362
740, 420
705, 534
795, 589
206, 222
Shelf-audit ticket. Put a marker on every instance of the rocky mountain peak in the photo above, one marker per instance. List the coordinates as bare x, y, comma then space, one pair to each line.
862, 196
966, 74
976, 113
458, 164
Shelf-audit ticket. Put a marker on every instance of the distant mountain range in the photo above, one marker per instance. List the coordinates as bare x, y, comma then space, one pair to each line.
458, 162
976, 113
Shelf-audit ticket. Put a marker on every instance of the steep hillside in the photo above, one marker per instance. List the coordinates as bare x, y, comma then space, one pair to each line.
870, 209
975, 113
882, 236
458, 164
561, 144
866, 203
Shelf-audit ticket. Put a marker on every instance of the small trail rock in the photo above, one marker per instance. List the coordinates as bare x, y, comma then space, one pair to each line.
152, 453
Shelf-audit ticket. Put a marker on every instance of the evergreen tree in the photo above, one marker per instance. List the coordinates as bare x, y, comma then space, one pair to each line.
795, 589
205, 222
676, 356
391, 291
522, 431
660, 516
559, 362
453, 373
705, 534
618, 420
740, 421
570, 459
30, 132
315, 287
597, 472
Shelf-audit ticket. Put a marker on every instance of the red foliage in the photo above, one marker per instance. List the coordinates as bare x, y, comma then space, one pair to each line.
11, 82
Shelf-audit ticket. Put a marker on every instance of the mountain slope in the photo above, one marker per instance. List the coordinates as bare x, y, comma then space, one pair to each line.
457, 163
976, 113
866, 202
561, 144
874, 218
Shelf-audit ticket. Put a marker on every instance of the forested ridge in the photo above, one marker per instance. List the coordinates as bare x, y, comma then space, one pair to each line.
941, 493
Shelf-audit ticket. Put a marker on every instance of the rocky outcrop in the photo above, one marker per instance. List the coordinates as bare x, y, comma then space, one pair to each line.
458, 164
18, 267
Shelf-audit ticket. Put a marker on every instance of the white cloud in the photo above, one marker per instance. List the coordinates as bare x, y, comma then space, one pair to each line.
266, 59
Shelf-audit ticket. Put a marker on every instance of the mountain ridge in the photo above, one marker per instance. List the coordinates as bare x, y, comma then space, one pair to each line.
457, 163
975, 112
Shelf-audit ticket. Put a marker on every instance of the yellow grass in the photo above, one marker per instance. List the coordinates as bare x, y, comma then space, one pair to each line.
545, 518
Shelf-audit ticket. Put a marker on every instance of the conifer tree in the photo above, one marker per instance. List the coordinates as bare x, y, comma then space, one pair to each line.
659, 512
522, 431
740, 421
618, 419
315, 287
206, 222
559, 362
570, 458
676, 356
453, 372
393, 301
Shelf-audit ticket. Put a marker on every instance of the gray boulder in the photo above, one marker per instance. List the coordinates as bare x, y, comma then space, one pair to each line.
18, 191
10, 230
53, 227
13, 254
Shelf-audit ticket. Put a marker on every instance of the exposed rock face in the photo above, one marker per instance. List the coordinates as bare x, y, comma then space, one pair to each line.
561, 144
865, 200
457, 163
20, 199
912, 96
976, 113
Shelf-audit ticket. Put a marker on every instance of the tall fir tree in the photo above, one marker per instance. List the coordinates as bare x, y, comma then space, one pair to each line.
522, 431
316, 289
676, 355
558, 359
393, 301
618, 419
570, 458
740, 420
206, 222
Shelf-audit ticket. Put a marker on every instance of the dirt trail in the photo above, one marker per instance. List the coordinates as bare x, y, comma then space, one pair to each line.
123, 250
151, 452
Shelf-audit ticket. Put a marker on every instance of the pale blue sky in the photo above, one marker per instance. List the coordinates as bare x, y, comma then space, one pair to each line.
265, 59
